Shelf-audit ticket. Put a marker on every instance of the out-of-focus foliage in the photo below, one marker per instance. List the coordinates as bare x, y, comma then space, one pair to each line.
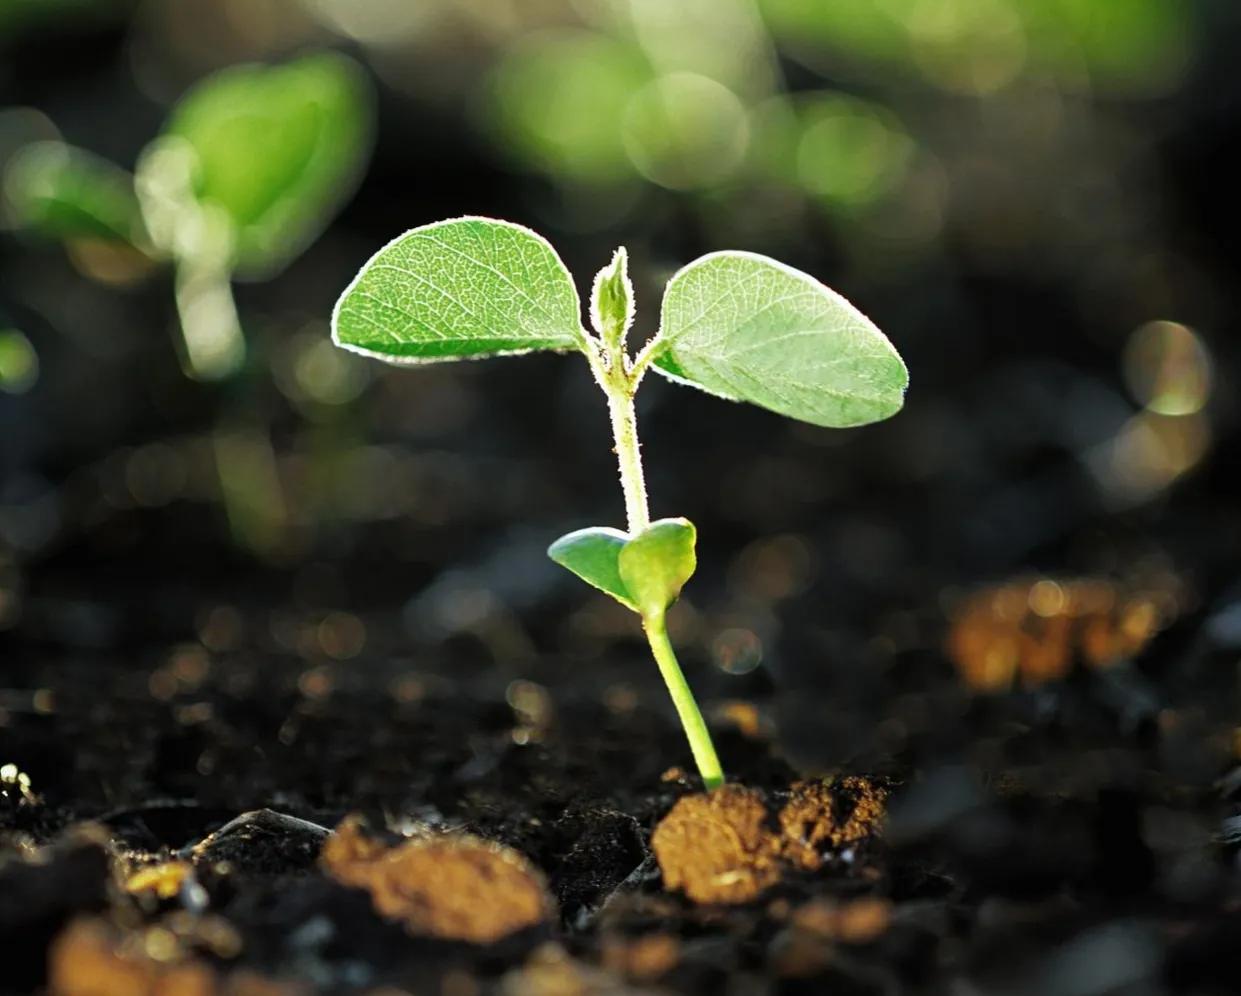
251, 164
17, 14
277, 149
65, 193
979, 46
843, 150
558, 99
19, 363
692, 97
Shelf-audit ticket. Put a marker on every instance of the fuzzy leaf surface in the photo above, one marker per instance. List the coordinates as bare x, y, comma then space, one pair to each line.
469, 287
747, 328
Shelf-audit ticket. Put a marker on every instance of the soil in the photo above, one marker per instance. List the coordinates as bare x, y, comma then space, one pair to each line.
535, 841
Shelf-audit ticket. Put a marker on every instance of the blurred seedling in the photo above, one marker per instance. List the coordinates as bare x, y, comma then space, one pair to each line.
249, 167
734, 324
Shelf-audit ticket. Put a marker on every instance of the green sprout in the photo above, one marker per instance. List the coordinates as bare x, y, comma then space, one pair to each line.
249, 167
734, 324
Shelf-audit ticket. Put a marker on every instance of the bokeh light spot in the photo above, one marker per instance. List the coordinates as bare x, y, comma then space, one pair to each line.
557, 98
1167, 368
19, 363
685, 131
968, 46
737, 651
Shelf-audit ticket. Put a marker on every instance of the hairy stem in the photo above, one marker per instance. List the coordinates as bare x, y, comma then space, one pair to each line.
629, 457
691, 718
619, 380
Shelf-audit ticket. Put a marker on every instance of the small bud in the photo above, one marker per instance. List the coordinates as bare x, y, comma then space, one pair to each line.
611, 301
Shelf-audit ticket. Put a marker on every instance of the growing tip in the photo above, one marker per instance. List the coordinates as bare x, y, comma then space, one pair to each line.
611, 300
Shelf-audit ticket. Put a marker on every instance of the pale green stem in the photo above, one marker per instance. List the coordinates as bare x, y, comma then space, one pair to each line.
629, 457
214, 347
619, 383
691, 718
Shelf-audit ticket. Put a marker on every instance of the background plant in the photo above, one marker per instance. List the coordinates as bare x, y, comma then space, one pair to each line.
734, 324
248, 168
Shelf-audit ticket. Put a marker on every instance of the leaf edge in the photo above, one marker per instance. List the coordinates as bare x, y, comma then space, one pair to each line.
662, 342
579, 334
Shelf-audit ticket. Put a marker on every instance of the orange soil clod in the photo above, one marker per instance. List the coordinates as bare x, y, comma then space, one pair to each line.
96, 958
453, 886
725, 847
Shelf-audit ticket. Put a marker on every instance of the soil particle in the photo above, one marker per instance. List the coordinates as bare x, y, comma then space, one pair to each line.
263, 842
823, 816
164, 881
1034, 630
93, 957
456, 886
551, 971
725, 846
857, 922
642, 959
39, 895
599, 849
717, 848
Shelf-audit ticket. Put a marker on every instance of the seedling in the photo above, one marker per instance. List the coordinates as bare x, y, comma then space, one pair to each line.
249, 166
734, 324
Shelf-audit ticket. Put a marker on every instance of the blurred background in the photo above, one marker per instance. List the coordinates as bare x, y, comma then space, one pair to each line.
1033, 200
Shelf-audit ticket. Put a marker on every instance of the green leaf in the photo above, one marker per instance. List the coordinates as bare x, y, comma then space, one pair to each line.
66, 193
747, 328
655, 564
468, 287
592, 554
278, 149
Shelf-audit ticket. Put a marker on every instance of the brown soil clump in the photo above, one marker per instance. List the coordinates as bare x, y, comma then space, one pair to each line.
728, 847
822, 816
457, 887
717, 848
642, 959
95, 958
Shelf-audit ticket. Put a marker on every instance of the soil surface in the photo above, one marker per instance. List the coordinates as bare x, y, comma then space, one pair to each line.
210, 826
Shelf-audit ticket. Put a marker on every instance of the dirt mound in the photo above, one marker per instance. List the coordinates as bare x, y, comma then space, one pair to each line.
93, 957
728, 846
458, 887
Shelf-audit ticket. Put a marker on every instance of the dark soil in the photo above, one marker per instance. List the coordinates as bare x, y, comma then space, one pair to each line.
1080, 835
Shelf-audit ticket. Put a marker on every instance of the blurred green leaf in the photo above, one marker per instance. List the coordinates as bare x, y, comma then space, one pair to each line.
278, 149
558, 99
744, 327
18, 14
19, 363
685, 131
655, 564
1125, 46
874, 30
64, 192
846, 152
593, 554
1130, 47
463, 288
